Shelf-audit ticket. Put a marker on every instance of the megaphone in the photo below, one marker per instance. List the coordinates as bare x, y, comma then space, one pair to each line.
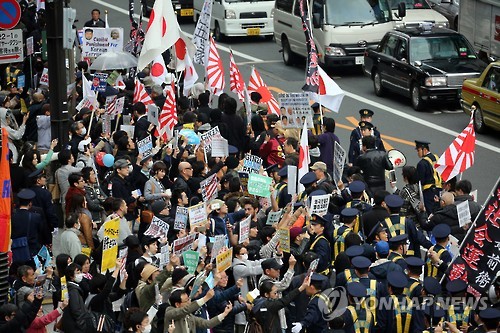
397, 158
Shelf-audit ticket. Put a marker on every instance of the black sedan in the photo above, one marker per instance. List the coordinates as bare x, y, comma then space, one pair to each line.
426, 64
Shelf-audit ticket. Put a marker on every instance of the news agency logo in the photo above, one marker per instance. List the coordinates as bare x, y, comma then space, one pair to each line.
333, 302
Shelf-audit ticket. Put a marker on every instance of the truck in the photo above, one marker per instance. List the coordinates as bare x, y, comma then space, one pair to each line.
479, 22
239, 18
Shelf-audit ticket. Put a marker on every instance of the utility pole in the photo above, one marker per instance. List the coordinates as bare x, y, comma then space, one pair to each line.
57, 71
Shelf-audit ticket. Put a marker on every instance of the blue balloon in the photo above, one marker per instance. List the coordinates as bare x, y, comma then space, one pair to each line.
191, 136
108, 160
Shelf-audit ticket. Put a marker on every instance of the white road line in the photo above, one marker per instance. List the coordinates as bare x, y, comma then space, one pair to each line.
349, 94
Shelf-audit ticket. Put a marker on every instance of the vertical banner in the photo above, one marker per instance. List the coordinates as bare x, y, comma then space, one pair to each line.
201, 34
292, 179
5, 201
110, 244
478, 261
339, 157
64, 288
244, 230
312, 75
164, 256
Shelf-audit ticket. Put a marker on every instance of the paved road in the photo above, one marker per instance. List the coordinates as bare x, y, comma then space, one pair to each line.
394, 116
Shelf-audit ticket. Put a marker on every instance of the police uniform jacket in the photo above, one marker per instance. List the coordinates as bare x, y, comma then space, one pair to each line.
313, 319
322, 249
27, 224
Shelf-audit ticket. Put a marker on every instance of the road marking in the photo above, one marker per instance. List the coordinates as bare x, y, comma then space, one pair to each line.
347, 93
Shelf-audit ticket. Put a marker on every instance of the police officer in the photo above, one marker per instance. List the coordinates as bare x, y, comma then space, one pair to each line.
356, 135
314, 320
309, 181
348, 217
319, 244
398, 246
438, 257
317, 121
396, 317
344, 259
382, 266
357, 318
273, 172
357, 190
433, 314
398, 225
356, 147
428, 176
282, 196
377, 234
490, 317
374, 289
431, 287
414, 286
458, 312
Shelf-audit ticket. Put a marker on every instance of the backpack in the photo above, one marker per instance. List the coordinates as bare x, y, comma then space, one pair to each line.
253, 325
99, 322
130, 301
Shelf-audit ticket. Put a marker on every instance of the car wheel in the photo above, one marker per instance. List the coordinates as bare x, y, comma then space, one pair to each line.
218, 35
377, 84
416, 98
478, 120
288, 55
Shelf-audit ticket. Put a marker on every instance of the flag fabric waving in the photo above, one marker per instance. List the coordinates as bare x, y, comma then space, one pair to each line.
184, 49
140, 94
162, 32
110, 104
459, 156
236, 83
215, 70
89, 95
190, 75
5, 201
168, 116
329, 93
201, 34
312, 76
158, 71
257, 84
119, 83
304, 158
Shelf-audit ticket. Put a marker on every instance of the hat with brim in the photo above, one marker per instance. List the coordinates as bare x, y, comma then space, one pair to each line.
147, 271
397, 279
270, 264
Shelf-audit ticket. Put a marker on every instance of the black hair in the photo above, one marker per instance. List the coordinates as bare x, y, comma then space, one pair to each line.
70, 271
266, 232
234, 184
189, 117
96, 10
122, 143
97, 283
64, 156
329, 124
308, 258
85, 172
28, 159
62, 263
230, 106
23, 271
71, 220
257, 125
464, 185
176, 297
140, 108
368, 142
176, 196
74, 178
352, 239
116, 204
255, 97
266, 287
118, 134
204, 98
133, 317
291, 141
410, 173
76, 203
7, 310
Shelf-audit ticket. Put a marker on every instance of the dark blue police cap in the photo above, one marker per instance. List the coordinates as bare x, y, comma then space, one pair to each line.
366, 113
283, 172
349, 212
398, 239
318, 278
317, 192
441, 231
356, 289
26, 194
354, 251
379, 227
434, 310
308, 178
316, 219
489, 314
432, 286
36, 174
421, 144
393, 201
456, 286
360, 262
365, 124
357, 186
414, 262
397, 279
232, 149
272, 168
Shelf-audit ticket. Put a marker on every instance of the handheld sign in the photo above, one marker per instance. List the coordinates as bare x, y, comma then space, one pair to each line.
244, 230
224, 260
110, 244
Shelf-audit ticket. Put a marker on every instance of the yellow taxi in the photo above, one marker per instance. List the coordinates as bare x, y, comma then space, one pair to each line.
483, 94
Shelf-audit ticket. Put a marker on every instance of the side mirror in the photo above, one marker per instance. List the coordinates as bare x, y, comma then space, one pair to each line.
316, 20
401, 9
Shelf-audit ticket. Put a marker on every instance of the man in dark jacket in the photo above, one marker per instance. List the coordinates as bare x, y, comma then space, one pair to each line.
236, 135
446, 214
377, 214
141, 124
31, 133
373, 164
96, 21
462, 190
181, 183
121, 187
14, 319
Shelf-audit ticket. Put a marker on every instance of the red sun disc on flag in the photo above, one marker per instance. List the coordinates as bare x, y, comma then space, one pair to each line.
151, 19
180, 49
265, 93
163, 26
157, 69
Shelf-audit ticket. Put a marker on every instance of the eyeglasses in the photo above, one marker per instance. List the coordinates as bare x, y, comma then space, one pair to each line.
188, 168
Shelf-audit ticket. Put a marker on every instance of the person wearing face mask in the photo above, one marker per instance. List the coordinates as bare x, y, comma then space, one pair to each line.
137, 321
75, 314
247, 270
70, 243
78, 133
7, 121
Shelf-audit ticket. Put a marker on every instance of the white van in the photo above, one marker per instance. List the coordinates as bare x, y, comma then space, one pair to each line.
239, 18
415, 12
342, 29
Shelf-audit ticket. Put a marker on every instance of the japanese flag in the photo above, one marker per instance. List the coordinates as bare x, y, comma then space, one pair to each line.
158, 71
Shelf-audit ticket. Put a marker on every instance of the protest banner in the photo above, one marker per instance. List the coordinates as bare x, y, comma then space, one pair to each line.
259, 185
183, 244
339, 158
97, 41
122, 254
295, 109
119, 103
319, 204
191, 260
244, 230
207, 137
220, 241
145, 146
112, 77
153, 114
251, 164
284, 239
99, 82
164, 256
292, 179
220, 147
110, 244
209, 188
45, 255
244, 182
64, 288
197, 215
463, 211
224, 259
157, 228
44, 78
273, 217
478, 262
200, 278
106, 124
21, 81
181, 217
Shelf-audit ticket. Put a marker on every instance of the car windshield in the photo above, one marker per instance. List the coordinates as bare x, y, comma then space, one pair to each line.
410, 4
440, 48
356, 12
232, 1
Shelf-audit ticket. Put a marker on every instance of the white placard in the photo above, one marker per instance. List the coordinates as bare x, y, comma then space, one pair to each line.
473, 194
319, 204
145, 146
11, 45
220, 241
30, 46
164, 256
244, 230
97, 41
197, 215
44, 79
207, 137
209, 188
183, 244
220, 147
463, 213
251, 164
157, 228
292, 179
273, 217
153, 114
181, 217
295, 109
